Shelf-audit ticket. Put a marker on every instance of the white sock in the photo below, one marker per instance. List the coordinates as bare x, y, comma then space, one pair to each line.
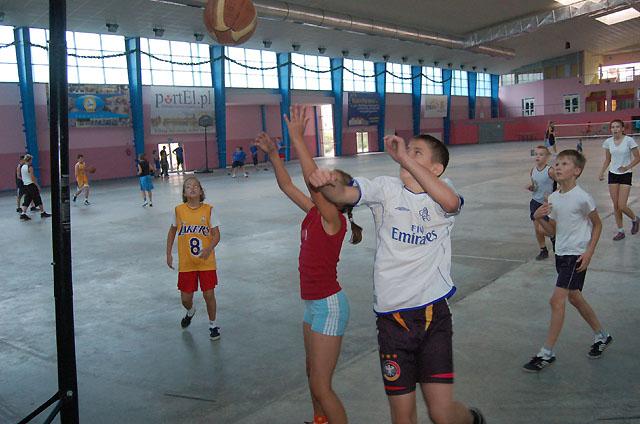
621, 230
191, 311
600, 336
545, 353
212, 323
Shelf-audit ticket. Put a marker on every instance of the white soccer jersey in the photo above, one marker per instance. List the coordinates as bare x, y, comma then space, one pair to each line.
413, 245
571, 212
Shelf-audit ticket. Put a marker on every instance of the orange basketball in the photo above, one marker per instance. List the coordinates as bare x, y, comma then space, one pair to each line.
230, 22
91, 170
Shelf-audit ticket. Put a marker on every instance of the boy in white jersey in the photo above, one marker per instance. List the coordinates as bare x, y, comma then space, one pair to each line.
575, 222
414, 216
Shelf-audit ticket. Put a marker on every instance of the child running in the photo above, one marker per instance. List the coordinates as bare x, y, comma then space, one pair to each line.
326, 306
577, 226
146, 183
542, 185
414, 217
198, 230
82, 180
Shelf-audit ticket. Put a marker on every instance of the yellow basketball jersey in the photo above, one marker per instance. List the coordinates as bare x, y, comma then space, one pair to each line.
81, 176
194, 235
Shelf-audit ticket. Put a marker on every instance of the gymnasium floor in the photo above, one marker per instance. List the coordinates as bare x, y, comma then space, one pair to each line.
136, 365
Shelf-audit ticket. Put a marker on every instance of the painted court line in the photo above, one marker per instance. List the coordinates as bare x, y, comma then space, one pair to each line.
520, 261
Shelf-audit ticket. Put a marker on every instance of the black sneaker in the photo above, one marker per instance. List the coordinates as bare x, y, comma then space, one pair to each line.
544, 254
75, 198
186, 321
478, 418
598, 348
45, 215
537, 363
214, 333
19, 210
24, 217
34, 208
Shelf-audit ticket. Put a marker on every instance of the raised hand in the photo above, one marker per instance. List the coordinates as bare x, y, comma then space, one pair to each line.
296, 121
396, 148
266, 144
322, 177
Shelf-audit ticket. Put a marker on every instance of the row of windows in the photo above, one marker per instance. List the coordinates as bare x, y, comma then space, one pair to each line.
358, 75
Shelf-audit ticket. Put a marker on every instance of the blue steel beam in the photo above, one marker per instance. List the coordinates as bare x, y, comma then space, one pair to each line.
134, 69
446, 88
416, 96
218, 78
381, 90
337, 91
284, 84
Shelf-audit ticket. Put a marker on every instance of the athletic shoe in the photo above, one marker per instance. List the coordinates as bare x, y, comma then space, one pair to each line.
24, 217
214, 333
150, 204
544, 254
478, 418
19, 210
598, 347
45, 215
34, 208
618, 236
75, 198
246, 175
635, 226
86, 202
537, 363
145, 204
233, 176
184, 323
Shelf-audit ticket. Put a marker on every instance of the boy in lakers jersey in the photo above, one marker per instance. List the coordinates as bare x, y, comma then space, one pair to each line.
197, 227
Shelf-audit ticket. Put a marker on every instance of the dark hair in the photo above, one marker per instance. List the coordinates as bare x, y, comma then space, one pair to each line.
620, 121
21, 157
578, 158
439, 151
80, 155
356, 230
184, 185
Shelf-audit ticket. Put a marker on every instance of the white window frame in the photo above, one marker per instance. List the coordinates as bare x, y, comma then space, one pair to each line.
398, 85
8, 59
159, 72
571, 103
433, 84
237, 76
459, 83
529, 106
351, 82
302, 79
483, 85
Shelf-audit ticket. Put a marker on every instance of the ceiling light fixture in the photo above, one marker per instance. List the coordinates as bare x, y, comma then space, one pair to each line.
158, 32
620, 16
111, 27
198, 36
567, 2
1, 16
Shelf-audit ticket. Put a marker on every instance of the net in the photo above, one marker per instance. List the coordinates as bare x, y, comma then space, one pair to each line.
597, 130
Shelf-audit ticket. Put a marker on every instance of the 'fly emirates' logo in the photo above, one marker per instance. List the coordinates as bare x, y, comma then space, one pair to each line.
194, 229
417, 236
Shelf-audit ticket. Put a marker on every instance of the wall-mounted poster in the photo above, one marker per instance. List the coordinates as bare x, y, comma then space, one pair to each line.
364, 109
176, 110
434, 106
94, 105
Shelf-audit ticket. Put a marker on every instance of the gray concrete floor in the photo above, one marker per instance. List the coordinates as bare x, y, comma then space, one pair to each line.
136, 365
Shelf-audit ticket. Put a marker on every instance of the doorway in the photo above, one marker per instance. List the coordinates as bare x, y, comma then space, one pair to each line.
171, 157
362, 141
326, 118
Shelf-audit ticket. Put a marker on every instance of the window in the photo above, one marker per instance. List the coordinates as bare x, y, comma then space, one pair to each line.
459, 83
160, 72
572, 103
8, 62
531, 77
507, 79
365, 81
432, 83
82, 70
483, 87
620, 73
302, 79
528, 107
240, 77
395, 84
362, 141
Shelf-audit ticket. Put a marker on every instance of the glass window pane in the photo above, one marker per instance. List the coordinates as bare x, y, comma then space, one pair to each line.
180, 48
90, 75
206, 80
116, 76
238, 80
8, 72
162, 77
40, 73
146, 77
87, 41
159, 47
112, 43
183, 78
161, 64
8, 54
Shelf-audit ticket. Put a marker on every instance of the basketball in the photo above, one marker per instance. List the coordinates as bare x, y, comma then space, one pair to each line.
91, 170
230, 22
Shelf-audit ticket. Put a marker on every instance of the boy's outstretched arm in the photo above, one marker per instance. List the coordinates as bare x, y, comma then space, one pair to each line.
325, 181
282, 176
430, 183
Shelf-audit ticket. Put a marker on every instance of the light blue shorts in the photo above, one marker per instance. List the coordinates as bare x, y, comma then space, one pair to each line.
328, 316
146, 183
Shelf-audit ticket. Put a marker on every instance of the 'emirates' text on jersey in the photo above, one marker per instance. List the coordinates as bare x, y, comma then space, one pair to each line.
412, 267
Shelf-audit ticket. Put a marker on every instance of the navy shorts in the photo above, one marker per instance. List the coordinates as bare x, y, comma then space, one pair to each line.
568, 276
624, 179
237, 164
415, 347
533, 207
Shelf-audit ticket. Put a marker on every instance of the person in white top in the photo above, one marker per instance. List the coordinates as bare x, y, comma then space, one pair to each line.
541, 186
414, 217
621, 155
31, 189
575, 222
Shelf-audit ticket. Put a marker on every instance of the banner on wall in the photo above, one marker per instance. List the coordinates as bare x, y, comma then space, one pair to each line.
364, 109
177, 110
434, 106
93, 105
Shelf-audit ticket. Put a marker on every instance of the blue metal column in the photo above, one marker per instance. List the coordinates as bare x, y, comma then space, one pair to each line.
284, 84
446, 89
472, 78
134, 68
216, 53
381, 89
315, 120
416, 97
25, 75
495, 90
263, 118
337, 90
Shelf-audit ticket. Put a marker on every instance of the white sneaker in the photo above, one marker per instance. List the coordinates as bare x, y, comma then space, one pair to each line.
86, 202
246, 175
145, 204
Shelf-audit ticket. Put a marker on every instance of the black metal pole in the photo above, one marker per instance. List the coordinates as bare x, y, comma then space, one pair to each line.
206, 151
61, 220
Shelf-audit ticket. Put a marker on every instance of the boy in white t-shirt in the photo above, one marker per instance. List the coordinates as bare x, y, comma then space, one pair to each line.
414, 216
576, 224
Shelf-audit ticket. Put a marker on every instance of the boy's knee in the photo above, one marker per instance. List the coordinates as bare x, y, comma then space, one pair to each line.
575, 297
319, 388
440, 414
556, 302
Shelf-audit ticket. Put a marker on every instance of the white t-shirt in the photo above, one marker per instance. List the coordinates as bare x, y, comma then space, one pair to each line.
571, 212
413, 245
26, 177
620, 154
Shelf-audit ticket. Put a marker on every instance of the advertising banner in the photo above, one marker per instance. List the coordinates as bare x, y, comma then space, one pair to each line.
93, 105
176, 110
364, 109
434, 106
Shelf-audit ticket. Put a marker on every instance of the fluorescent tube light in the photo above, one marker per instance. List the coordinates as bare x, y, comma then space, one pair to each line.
620, 16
